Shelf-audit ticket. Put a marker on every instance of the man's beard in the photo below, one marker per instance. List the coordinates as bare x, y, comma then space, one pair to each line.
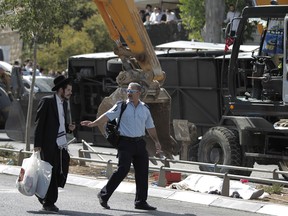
65, 97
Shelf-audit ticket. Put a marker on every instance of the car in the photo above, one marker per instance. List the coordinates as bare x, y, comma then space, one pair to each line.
26, 72
6, 66
42, 83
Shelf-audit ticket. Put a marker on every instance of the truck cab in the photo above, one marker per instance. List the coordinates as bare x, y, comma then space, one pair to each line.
253, 125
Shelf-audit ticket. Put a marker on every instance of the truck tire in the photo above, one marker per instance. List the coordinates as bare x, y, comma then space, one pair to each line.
246, 161
220, 145
283, 166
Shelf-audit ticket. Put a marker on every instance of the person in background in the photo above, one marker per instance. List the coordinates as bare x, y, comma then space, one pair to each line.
148, 12
16, 80
170, 16
232, 13
156, 16
132, 147
142, 15
50, 137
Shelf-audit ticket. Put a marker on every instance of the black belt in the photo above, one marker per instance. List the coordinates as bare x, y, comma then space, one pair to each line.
132, 139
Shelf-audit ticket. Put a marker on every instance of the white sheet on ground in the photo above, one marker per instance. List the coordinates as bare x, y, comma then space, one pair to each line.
213, 184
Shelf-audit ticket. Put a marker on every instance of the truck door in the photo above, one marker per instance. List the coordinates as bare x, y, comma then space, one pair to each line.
285, 63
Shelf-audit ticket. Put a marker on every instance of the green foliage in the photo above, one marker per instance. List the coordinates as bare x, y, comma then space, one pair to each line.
192, 16
192, 13
98, 34
7, 154
273, 189
85, 9
36, 20
54, 57
94, 37
61, 29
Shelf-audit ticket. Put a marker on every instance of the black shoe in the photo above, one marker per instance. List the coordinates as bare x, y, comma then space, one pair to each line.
102, 202
41, 200
51, 208
144, 206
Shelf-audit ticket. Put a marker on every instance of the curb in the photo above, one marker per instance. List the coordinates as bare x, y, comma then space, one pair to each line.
166, 193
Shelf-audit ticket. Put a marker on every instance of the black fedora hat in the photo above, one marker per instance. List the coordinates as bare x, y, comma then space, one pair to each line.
60, 81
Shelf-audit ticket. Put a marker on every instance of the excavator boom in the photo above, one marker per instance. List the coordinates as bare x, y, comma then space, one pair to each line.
122, 20
140, 64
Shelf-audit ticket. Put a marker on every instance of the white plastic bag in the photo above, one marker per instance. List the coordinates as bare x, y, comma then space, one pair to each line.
28, 176
44, 178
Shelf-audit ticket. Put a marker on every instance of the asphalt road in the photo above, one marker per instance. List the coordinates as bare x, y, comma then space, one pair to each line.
82, 201
77, 200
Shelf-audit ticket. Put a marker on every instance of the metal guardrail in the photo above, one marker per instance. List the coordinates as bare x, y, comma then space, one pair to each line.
84, 156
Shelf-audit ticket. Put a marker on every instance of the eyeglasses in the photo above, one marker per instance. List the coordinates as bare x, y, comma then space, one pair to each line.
131, 91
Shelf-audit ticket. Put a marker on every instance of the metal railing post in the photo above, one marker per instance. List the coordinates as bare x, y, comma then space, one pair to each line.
225, 185
162, 178
166, 162
216, 168
185, 150
20, 157
85, 147
275, 174
109, 169
81, 155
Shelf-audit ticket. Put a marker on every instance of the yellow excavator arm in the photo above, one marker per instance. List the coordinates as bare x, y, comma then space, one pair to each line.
122, 20
140, 64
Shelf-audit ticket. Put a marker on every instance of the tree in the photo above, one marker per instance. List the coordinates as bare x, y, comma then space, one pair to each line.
85, 10
37, 22
54, 57
191, 12
214, 13
84, 34
98, 33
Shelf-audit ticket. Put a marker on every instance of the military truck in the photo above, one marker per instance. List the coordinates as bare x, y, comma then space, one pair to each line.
234, 102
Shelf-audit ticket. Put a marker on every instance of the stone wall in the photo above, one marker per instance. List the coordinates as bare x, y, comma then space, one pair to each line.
11, 45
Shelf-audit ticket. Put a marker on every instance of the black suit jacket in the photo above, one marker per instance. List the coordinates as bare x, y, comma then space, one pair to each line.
46, 131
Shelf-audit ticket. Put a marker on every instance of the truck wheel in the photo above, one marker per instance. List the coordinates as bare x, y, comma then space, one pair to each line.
220, 145
246, 161
283, 166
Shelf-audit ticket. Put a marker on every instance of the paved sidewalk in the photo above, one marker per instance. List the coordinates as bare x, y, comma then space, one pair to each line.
165, 193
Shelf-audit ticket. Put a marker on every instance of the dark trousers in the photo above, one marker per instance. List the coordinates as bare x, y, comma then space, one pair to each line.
57, 179
135, 153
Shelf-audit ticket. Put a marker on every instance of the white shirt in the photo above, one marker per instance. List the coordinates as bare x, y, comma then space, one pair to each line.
61, 137
230, 16
134, 120
170, 17
155, 17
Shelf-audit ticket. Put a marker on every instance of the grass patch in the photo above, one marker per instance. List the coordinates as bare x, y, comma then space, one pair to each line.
6, 154
8, 157
272, 189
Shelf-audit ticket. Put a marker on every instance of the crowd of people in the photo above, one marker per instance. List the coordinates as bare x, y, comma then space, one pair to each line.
156, 15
